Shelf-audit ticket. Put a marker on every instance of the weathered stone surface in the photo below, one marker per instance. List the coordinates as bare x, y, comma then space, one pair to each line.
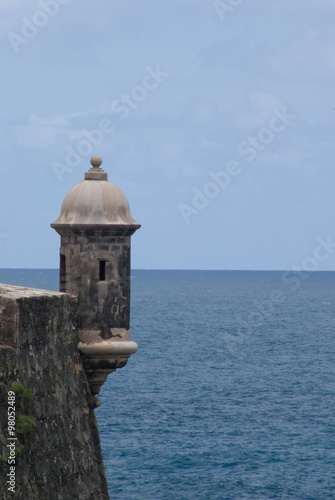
60, 455
103, 303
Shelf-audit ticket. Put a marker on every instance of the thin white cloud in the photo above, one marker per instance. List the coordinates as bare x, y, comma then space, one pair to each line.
311, 55
40, 132
8, 4
11, 13
261, 106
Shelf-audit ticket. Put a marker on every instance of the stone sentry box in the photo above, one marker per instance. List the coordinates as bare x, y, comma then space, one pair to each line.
95, 225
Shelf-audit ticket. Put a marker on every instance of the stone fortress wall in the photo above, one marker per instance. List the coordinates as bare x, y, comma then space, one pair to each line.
57, 452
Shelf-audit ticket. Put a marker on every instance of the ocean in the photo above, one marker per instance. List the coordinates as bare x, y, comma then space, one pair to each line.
231, 393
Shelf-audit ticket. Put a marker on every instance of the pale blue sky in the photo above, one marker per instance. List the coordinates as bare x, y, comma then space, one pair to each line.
223, 127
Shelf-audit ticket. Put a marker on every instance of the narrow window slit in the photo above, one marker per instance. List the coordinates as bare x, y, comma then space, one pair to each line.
62, 273
102, 270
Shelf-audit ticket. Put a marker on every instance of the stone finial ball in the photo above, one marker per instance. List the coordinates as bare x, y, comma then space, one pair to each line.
96, 161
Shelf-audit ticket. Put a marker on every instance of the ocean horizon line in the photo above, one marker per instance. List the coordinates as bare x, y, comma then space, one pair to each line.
179, 270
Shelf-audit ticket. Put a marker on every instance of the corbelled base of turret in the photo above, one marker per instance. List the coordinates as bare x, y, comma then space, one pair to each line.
102, 358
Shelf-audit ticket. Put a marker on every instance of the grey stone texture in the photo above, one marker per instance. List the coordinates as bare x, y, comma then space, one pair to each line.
59, 454
103, 303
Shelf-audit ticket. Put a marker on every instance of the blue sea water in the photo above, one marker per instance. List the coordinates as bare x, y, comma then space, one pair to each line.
231, 393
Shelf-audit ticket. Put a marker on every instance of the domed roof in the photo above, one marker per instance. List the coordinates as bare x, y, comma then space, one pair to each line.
95, 202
